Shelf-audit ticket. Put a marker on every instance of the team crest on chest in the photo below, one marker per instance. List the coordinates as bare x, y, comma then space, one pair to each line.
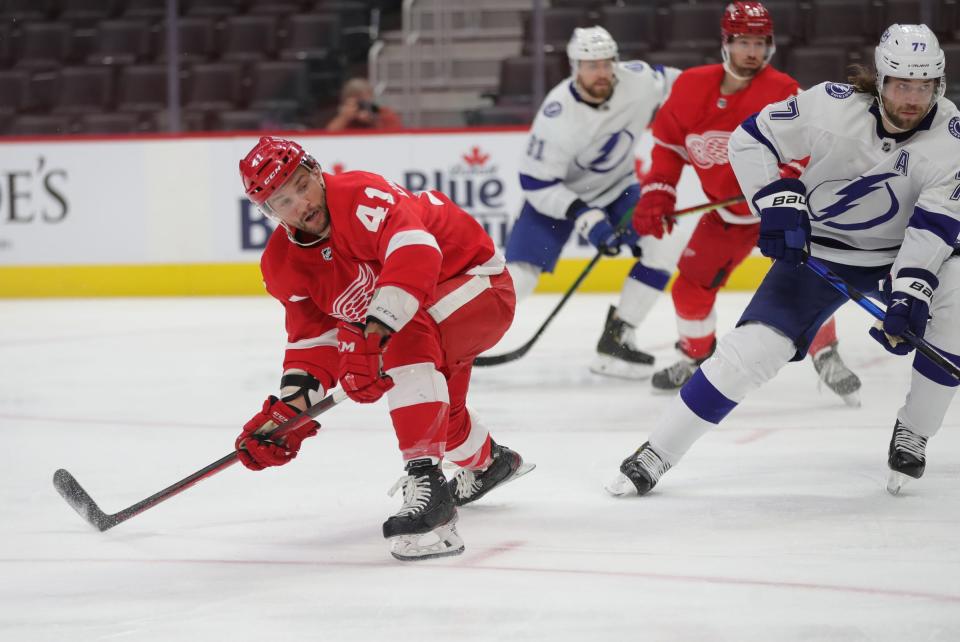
863, 202
352, 303
707, 149
326, 253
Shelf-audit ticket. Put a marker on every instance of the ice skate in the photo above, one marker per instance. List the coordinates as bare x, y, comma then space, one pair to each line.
470, 485
835, 374
639, 473
907, 457
425, 526
617, 354
672, 379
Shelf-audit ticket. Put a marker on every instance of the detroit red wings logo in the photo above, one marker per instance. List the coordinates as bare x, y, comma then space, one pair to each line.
353, 302
707, 149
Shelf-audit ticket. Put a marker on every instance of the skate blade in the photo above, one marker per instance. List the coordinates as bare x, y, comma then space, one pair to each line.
443, 541
521, 471
852, 399
620, 486
896, 481
607, 366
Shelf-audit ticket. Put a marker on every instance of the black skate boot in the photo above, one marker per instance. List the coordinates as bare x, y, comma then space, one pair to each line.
617, 355
672, 379
639, 473
469, 485
424, 527
907, 457
835, 374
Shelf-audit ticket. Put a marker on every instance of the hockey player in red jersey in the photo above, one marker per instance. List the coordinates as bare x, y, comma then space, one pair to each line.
693, 126
385, 292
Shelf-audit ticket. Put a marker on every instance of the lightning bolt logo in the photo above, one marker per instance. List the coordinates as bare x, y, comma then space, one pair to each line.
850, 197
608, 157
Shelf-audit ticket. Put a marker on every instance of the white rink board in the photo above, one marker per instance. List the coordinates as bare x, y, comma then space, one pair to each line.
179, 200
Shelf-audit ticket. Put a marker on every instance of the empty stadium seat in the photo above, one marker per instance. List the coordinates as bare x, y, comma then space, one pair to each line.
845, 23
44, 45
121, 42
14, 84
195, 40
214, 86
634, 29
789, 21
902, 12
143, 88
279, 86
813, 65
516, 78
694, 26
249, 38
311, 37
85, 90
558, 26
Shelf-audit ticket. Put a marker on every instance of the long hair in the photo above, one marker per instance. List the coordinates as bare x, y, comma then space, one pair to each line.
863, 79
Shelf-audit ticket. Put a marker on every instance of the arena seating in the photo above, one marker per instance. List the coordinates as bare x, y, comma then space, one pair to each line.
99, 66
816, 40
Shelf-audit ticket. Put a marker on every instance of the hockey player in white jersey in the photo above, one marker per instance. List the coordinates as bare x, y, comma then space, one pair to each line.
579, 174
878, 202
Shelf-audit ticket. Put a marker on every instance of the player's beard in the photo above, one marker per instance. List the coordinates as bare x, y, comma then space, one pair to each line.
903, 121
600, 90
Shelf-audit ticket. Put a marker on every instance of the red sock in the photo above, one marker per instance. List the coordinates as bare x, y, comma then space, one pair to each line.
421, 429
826, 337
697, 347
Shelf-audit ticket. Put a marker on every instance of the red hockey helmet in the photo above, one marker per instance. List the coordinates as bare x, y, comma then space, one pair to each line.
746, 19
268, 166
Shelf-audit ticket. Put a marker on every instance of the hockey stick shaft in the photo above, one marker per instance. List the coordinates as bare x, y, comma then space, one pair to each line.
80, 500
921, 344
495, 360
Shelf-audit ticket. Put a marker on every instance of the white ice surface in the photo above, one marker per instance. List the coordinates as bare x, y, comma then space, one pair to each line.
776, 527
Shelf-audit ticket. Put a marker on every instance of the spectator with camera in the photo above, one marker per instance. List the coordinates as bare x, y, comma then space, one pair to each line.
358, 110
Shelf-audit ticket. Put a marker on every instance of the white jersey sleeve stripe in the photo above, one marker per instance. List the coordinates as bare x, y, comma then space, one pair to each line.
410, 237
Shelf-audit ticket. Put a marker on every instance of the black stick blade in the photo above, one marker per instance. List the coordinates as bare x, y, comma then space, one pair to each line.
70, 489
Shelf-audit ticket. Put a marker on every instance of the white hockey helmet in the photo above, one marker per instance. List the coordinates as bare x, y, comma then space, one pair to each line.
911, 52
591, 43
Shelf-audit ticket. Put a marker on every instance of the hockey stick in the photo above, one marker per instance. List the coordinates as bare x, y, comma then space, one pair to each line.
70, 489
861, 299
495, 360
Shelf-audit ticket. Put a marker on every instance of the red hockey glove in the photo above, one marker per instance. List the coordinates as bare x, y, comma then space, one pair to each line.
652, 214
361, 360
255, 447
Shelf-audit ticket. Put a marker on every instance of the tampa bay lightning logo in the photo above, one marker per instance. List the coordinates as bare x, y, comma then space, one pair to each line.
839, 89
552, 108
954, 127
859, 201
608, 155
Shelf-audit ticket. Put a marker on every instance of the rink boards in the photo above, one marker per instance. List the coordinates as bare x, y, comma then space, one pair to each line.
165, 215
